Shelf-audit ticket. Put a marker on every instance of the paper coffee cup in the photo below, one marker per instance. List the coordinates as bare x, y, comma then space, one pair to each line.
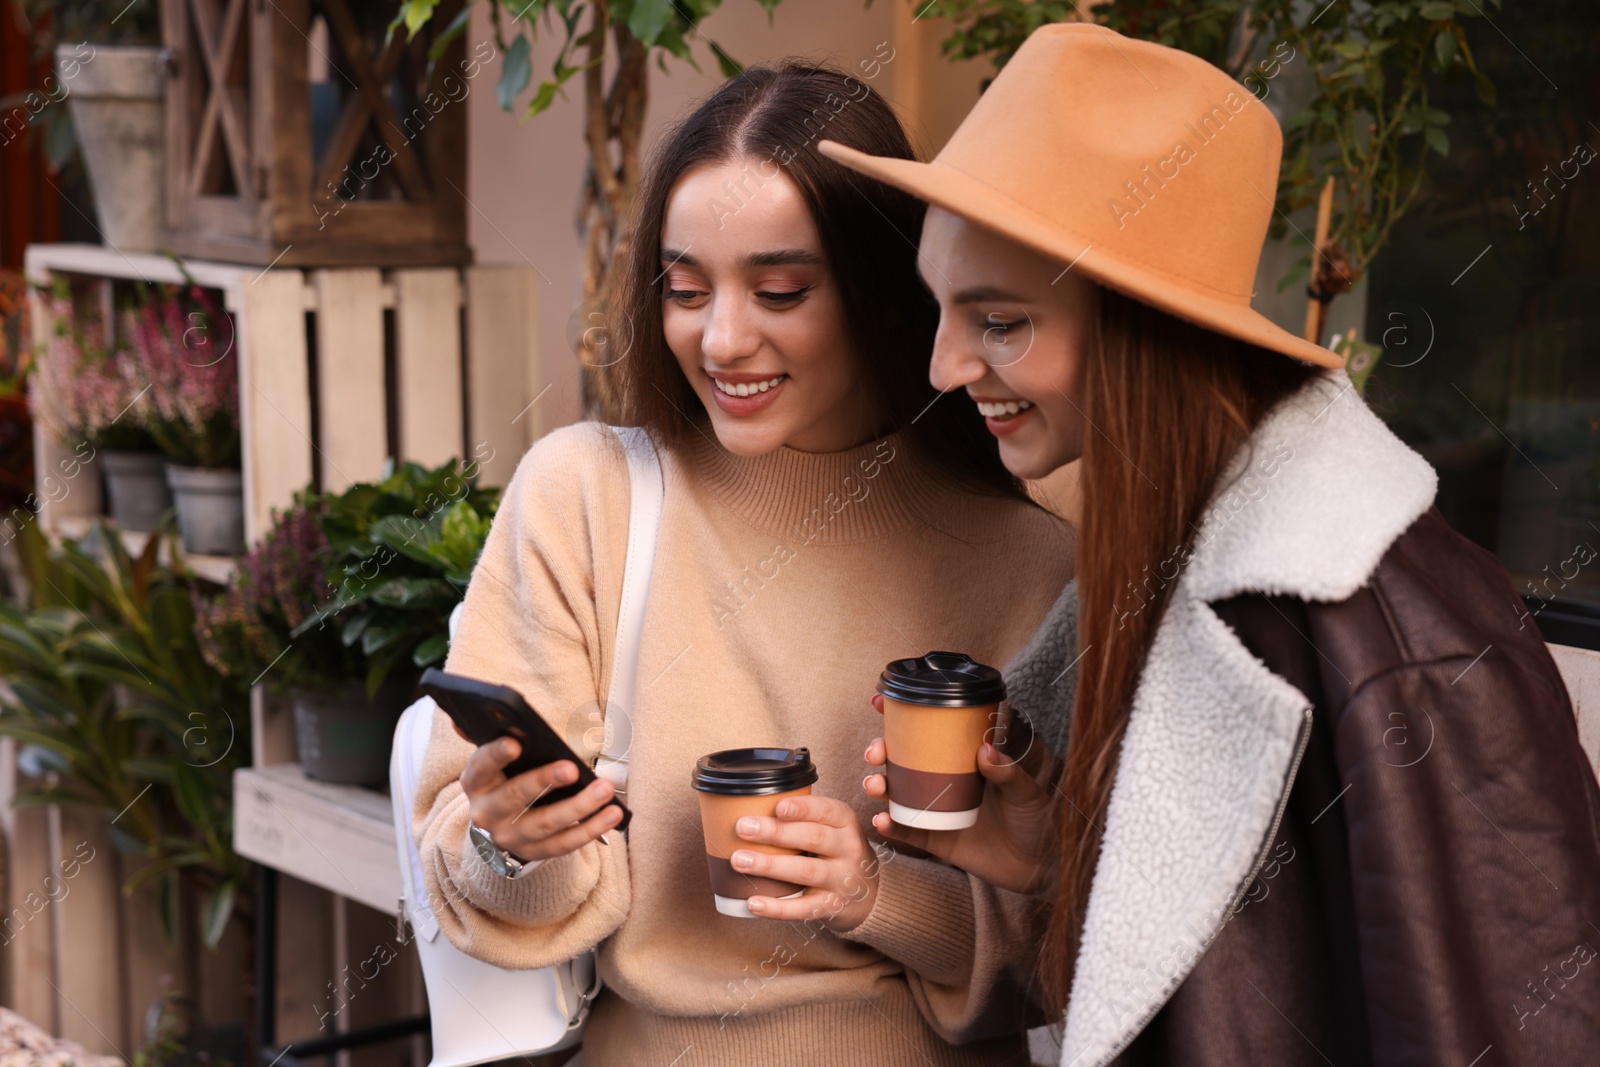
937, 710
739, 782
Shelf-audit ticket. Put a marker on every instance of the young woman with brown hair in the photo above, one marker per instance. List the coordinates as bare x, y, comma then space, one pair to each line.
823, 515
1323, 799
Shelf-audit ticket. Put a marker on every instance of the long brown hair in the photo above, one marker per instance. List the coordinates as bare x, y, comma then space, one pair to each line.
1169, 404
869, 233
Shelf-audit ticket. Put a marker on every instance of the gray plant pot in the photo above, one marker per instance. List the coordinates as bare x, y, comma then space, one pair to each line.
210, 509
137, 485
342, 738
116, 96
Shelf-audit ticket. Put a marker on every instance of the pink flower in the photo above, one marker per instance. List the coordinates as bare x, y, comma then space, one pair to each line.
85, 389
183, 348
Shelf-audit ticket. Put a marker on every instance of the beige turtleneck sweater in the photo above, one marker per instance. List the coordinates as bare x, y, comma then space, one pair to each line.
783, 583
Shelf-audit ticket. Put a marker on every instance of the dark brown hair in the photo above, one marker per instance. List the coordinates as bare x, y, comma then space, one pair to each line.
869, 233
1170, 403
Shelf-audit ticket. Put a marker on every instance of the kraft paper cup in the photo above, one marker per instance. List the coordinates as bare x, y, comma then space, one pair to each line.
739, 782
937, 710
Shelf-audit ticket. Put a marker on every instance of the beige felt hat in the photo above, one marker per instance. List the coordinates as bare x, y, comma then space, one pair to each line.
1146, 168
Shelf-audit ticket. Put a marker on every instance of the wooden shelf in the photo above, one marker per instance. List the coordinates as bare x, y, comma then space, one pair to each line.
217, 569
338, 837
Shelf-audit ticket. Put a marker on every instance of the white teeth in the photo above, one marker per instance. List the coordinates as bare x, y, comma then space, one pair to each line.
747, 388
1008, 407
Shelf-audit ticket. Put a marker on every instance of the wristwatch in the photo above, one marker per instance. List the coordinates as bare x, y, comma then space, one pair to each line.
499, 860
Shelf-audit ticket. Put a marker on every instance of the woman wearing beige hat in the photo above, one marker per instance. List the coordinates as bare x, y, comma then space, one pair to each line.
1323, 799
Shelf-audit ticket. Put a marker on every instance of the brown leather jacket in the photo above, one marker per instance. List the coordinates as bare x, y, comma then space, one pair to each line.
1351, 821
1433, 893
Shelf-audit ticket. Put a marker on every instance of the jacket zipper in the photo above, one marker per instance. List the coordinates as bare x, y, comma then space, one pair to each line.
1302, 741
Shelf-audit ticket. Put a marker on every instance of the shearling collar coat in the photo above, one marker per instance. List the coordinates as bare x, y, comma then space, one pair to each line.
1351, 821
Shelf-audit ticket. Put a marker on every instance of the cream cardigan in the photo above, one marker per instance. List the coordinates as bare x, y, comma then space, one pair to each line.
782, 585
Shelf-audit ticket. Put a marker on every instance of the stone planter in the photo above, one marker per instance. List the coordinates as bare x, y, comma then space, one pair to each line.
116, 94
136, 486
210, 509
342, 737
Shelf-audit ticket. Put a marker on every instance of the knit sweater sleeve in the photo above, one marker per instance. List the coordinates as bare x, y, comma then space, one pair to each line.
530, 620
969, 949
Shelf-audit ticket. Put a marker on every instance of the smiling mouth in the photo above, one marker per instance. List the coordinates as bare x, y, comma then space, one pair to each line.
746, 388
1000, 409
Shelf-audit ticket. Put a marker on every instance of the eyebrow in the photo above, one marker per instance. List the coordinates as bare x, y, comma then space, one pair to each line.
985, 294
781, 257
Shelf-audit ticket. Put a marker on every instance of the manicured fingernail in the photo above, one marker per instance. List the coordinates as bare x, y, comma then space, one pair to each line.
748, 826
741, 860
786, 809
756, 904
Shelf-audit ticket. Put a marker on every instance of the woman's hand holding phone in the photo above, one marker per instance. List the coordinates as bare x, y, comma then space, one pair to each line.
1016, 842
500, 805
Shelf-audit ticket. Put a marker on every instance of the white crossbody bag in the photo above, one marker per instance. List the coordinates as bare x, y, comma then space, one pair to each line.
480, 1012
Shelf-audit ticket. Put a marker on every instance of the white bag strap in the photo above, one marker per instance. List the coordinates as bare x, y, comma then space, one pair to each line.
410, 746
411, 736
646, 490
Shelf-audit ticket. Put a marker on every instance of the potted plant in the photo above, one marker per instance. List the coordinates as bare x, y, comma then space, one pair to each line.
92, 401
401, 551
245, 633
109, 72
112, 708
109, 694
182, 347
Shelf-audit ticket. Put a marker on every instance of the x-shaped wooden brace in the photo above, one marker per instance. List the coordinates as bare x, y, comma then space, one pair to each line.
369, 103
223, 101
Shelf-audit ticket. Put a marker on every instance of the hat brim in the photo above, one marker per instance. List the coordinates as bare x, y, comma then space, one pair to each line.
964, 195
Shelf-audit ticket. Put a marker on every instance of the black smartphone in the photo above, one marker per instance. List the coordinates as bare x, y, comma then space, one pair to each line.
487, 712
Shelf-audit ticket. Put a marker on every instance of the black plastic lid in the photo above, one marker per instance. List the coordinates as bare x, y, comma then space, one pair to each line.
942, 679
754, 771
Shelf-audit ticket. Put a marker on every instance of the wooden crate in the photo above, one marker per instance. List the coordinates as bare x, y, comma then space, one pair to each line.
257, 173
450, 351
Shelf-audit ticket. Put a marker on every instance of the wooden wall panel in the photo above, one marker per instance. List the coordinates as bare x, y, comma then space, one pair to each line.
87, 928
427, 318
352, 425
25, 936
506, 408
274, 395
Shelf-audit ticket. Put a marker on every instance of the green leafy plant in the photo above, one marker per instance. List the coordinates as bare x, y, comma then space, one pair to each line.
112, 702
401, 551
1369, 123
